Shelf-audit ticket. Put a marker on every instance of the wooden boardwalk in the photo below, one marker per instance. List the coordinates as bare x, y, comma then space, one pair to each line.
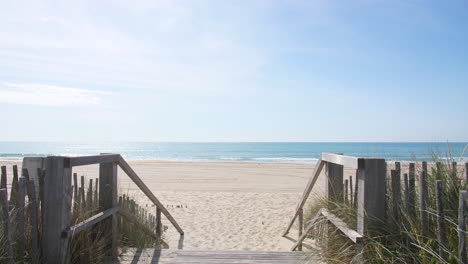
166, 256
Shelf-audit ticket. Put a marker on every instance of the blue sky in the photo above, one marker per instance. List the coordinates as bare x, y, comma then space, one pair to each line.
366, 70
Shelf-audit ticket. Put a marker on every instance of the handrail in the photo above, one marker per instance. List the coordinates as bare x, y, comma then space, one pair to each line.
353, 235
305, 195
346, 161
132, 174
76, 229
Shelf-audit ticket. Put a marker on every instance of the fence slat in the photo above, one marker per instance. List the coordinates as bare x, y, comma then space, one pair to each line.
396, 194
346, 191
351, 197
300, 228
14, 187
422, 203
441, 235
462, 227
6, 224
75, 188
412, 190
82, 191
20, 213
3, 179
33, 216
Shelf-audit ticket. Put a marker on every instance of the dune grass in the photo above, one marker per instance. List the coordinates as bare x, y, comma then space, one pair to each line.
89, 246
399, 241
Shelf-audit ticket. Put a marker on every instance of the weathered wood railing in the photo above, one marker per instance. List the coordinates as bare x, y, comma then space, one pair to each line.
371, 184
57, 202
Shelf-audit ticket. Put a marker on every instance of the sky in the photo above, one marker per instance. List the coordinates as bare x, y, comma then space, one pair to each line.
210, 70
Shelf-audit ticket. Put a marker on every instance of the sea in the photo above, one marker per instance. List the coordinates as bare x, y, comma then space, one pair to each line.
283, 152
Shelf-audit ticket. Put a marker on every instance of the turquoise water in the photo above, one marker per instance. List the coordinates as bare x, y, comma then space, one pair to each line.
253, 152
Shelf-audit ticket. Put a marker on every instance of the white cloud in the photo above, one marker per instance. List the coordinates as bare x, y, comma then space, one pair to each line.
48, 95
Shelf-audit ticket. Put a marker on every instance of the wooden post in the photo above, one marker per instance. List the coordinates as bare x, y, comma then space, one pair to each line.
6, 224
89, 196
438, 170
356, 190
57, 208
407, 199
20, 213
462, 227
75, 187
33, 212
424, 166
422, 203
371, 195
82, 193
466, 172
335, 182
351, 197
441, 236
159, 228
346, 191
300, 227
396, 194
96, 199
3, 179
108, 176
14, 187
412, 190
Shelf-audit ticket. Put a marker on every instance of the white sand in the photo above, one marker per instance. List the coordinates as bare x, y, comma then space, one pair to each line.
225, 205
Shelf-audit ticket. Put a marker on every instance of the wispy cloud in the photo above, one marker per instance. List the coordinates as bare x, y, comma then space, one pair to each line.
48, 95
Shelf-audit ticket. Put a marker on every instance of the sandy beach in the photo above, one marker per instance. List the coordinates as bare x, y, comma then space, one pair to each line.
220, 205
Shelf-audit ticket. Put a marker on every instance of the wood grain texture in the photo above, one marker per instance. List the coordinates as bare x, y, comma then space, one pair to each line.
134, 177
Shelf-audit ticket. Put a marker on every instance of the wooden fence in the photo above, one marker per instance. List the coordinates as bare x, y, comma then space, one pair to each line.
381, 200
46, 216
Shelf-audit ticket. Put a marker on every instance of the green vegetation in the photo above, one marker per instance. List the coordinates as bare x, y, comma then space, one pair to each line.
400, 240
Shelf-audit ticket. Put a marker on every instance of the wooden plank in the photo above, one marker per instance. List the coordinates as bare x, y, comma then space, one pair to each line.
315, 174
335, 182
396, 194
57, 206
41, 174
98, 159
20, 234
371, 199
33, 213
424, 166
3, 179
412, 190
462, 227
14, 186
407, 199
422, 204
309, 227
351, 196
159, 227
355, 191
466, 172
300, 228
346, 161
89, 196
108, 199
75, 187
82, 192
6, 225
342, 226
76, 229
441, 233
134, 177
346, 191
